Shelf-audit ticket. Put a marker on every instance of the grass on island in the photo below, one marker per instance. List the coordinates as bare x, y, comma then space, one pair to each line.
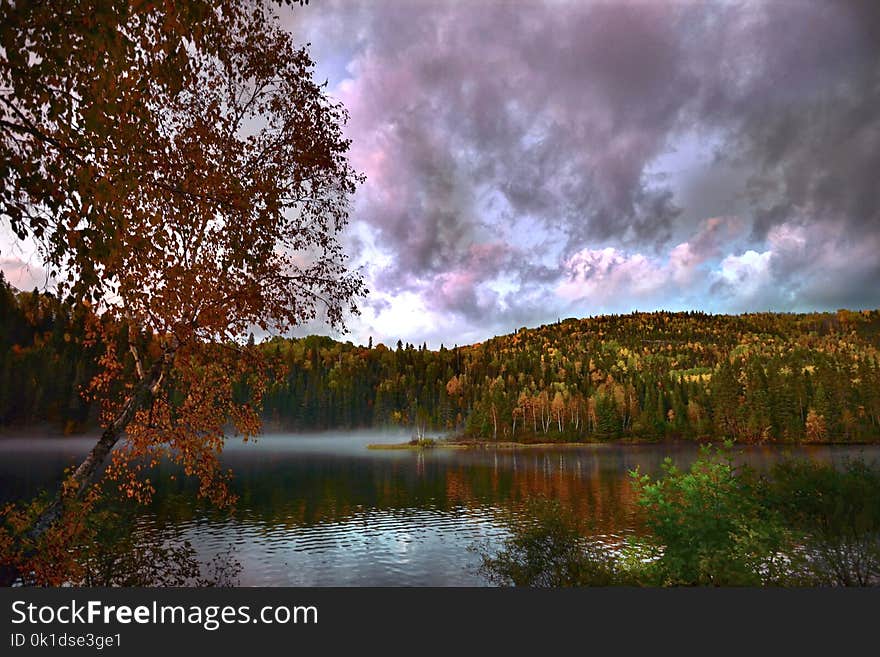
419, 443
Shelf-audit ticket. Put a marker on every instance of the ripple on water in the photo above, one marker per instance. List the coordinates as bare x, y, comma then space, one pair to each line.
371, 547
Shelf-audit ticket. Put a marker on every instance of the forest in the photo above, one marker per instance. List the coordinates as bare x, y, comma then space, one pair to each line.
753, 378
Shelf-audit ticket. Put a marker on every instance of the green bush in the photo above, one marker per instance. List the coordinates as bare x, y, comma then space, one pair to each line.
550, 550
707, 525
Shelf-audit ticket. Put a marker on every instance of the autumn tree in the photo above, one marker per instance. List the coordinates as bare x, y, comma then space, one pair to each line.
186, 179
497, 405
815, 426
557, 407
521, 409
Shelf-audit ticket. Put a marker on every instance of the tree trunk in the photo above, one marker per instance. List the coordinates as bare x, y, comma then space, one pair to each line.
87, 471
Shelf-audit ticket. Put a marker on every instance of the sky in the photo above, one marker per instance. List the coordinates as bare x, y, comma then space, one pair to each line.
529, 161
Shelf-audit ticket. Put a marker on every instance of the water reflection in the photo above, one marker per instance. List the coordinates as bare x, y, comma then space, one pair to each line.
324, 510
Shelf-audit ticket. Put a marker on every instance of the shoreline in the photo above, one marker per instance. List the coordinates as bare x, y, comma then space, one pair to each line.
634, 442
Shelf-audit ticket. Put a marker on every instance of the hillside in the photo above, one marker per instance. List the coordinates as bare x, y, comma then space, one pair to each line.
764, 377
760, 377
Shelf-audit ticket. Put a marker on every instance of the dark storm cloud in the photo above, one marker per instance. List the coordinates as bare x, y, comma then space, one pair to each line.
558, 107
505, 141
801, 107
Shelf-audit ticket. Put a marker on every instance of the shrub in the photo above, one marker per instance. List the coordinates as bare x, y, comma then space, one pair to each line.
835, 514
707, 525
549, 550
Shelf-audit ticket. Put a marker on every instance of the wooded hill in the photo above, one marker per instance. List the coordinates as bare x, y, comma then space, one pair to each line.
765, 377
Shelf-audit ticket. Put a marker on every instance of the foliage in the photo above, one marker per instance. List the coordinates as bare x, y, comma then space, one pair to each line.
549, 550
707, 526
753, 378
715, 524
48, 558
154, 149
97, 543
836, 516
185, 179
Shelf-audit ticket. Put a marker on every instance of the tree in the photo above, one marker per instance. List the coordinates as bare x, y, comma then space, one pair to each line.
186, 178
82, 83
523, 403
497, 403
557, 406
607, 419
815, 427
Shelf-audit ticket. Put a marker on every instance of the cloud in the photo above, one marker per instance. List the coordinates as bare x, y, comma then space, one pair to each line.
546, 107
796, 92
521, 157
745, 276
799, 267
804, 266
601, 276
527, 161
686, 258
614, 280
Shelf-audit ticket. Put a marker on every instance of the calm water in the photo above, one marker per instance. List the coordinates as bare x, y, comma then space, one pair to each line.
322, 510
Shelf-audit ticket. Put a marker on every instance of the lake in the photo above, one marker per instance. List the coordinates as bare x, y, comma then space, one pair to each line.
323, 510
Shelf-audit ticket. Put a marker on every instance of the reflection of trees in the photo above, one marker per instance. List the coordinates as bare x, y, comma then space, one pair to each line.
299, 490
600, 494
313, 490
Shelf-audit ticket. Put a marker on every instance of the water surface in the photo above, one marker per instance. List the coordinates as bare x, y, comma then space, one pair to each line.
322, 510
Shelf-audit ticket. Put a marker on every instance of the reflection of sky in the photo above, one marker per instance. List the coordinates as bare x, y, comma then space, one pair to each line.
371, 549
526, 162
